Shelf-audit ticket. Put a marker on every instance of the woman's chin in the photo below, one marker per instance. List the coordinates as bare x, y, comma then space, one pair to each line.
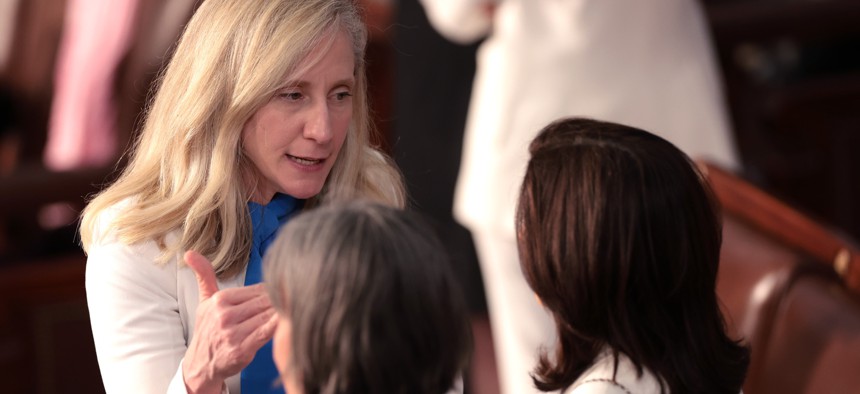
303, 191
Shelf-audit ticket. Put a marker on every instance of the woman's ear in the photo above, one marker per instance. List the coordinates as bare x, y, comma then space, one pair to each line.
292, 384
282, 347
282, 353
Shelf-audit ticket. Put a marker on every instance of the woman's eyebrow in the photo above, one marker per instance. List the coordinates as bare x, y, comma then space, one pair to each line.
350, 82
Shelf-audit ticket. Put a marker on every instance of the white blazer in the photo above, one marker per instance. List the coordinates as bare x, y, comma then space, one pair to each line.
645, 63
142, 314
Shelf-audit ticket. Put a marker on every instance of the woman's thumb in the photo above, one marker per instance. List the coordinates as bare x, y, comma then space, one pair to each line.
206, 281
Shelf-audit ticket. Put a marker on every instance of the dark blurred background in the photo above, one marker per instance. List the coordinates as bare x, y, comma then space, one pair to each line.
791, 71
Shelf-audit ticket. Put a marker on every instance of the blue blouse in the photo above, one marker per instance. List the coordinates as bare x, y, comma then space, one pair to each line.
261, 375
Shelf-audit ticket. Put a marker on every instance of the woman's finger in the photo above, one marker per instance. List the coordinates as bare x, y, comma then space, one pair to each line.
206, 281
240, 295
238, 313
263, 328
242, 330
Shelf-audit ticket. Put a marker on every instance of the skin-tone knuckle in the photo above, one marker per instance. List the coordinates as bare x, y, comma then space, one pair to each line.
222, 319
258, 337
263, 318
232, 356
262, 335
218, 298
234, 339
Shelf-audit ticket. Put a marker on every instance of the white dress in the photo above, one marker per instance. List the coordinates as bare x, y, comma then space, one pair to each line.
645, 63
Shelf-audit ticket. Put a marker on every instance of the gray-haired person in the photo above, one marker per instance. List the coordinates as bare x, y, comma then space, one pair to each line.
366, 302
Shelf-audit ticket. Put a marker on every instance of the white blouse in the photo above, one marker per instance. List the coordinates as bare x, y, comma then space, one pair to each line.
598, 379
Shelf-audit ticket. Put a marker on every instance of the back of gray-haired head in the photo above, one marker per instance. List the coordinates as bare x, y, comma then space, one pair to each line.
372, 302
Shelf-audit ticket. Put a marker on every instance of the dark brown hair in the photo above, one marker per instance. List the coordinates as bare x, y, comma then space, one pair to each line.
372, 303
619, 235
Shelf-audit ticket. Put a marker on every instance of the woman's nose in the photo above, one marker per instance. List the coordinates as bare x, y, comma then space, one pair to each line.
318, 125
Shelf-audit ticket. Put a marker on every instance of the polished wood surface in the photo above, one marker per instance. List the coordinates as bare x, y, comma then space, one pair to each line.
785, 224
782, 295
46, 345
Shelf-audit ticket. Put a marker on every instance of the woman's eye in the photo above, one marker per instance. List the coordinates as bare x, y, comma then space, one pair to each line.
340, 96
292, 96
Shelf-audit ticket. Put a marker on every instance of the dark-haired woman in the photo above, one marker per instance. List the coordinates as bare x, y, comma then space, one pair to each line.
619, 236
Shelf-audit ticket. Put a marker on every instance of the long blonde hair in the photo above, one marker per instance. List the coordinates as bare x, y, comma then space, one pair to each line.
186, 168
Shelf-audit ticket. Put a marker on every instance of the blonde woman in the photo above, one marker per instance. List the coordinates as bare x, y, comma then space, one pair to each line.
260, 113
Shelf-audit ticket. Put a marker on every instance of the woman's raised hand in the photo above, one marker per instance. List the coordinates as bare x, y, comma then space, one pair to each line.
231, 325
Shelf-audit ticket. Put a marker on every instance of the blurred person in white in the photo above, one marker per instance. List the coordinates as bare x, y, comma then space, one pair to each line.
647, 63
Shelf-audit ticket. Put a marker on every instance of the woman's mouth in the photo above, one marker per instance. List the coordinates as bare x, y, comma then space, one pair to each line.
305, 161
